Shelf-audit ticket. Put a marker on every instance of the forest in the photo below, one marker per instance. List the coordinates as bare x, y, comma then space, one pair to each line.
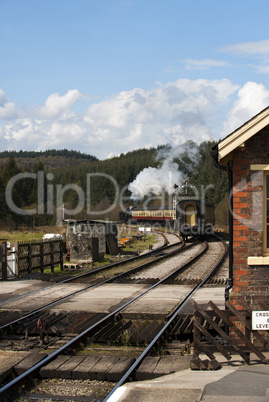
52, 152
36, 194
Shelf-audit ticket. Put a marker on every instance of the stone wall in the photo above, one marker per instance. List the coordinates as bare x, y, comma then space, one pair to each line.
87, 242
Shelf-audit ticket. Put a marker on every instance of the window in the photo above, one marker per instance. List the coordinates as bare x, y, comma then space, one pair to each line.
262, 220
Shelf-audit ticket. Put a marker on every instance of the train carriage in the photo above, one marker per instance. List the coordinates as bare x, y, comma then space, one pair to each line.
192, 217
144, 215
195, 218
153, 214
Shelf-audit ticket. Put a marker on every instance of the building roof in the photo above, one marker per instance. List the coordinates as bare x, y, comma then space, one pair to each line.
238, 137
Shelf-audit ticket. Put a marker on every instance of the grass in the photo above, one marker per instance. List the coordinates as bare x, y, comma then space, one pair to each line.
27, 234
140, 245
57, 270
135, 245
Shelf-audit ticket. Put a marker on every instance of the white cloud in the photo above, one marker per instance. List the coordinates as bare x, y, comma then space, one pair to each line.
172, 113
23, 129
166, 113
3, 98
56, 104
203, 64
7, 109
262, 69
258, 48
252, 98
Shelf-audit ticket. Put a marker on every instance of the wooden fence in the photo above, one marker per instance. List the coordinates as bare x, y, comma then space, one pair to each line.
31, 257
227, 332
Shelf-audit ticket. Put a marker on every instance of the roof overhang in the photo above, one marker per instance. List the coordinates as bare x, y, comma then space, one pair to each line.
237, 138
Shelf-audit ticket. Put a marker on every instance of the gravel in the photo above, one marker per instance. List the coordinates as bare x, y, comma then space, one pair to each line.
168, 266
70, 390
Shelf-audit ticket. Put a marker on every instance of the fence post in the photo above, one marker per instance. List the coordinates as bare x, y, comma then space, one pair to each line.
4, 260
42, 257
248, 335
16, 245
196, 332
61, 244
29, 258
51, 256
18, 257
1, 258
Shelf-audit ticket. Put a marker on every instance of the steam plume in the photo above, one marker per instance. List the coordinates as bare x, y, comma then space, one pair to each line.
159, 180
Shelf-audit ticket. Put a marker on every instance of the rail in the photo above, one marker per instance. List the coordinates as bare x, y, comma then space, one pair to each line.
167, 325
97, 270
17, 381
109, 280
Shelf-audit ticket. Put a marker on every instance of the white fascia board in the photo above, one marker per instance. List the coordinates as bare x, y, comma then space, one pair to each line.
242, 134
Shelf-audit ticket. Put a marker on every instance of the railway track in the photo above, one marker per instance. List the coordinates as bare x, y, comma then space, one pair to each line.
91, 272
32, 303
102, 328
92, 275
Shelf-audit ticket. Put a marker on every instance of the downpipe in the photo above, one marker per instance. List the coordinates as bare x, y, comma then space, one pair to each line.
230, 281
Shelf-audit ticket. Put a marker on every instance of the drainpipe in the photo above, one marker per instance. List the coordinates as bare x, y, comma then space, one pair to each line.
229, 171
231, 237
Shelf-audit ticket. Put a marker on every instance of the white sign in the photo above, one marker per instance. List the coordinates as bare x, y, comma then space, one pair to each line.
260, 320
143, 229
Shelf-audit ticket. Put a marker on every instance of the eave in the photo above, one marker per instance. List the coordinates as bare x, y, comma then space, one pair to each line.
241, 135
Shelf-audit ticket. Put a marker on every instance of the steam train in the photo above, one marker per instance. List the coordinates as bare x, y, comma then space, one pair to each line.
145, 215
191, 217
195, 218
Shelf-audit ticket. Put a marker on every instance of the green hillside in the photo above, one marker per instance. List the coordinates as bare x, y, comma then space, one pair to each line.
80, 180
50, 159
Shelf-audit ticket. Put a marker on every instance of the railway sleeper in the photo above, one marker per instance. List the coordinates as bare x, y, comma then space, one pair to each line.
141, 332
20, 327
183, 326
53, 321
76, 321
120, 334
72, 320
111, 368
91, 320
149, 333
103, 331
154, 332
174, 326
50, 326
137, 329
112, 332
46, 320
11, 316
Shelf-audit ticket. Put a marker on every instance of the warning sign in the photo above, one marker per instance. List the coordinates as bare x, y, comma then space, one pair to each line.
260, 320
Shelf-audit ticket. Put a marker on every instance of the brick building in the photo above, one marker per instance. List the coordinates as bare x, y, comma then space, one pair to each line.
245, 155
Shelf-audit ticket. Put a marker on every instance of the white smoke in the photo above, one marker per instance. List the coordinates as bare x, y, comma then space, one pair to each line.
160, 180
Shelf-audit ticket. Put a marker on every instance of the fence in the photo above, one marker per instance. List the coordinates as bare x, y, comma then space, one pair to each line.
21, 258
227, 332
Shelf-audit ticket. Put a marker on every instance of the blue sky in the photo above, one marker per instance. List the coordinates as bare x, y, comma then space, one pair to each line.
108, 76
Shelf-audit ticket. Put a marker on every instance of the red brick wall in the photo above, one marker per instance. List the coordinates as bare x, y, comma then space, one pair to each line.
251, 283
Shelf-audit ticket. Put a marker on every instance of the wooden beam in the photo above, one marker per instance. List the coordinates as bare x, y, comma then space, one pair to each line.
237, 331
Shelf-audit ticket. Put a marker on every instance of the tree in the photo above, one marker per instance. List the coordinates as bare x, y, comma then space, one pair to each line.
208, 176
